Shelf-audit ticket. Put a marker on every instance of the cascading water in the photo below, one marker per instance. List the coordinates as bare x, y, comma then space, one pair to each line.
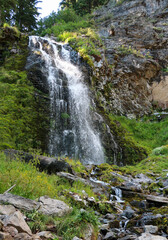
72, 132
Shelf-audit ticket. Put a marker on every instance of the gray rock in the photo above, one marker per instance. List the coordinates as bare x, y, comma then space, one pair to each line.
17, 221
110, 236
51, 165
51, 206
46, 235
7, 209
19, 202
25, 236
157, 199
76, 238
151, 229
148, 236
128, 212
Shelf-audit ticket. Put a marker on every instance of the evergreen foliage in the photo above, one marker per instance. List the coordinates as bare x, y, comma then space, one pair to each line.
21, 13
82, 7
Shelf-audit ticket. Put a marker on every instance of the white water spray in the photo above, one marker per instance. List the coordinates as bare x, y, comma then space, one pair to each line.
72, 132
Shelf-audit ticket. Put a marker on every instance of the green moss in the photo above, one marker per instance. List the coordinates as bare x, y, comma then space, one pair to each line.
147, 132
23, 122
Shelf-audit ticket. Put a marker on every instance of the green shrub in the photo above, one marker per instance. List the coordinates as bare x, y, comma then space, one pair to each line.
163, 150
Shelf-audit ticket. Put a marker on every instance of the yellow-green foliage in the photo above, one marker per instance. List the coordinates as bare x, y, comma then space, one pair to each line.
31, 183
129, 50
147, 132
14, 29
22, 123
85, 41
77, 166
132, 150
152, 164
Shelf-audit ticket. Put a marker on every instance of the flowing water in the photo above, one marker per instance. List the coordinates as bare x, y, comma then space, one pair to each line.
72, 130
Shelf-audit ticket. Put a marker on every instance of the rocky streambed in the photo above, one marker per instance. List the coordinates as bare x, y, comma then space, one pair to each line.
128, 205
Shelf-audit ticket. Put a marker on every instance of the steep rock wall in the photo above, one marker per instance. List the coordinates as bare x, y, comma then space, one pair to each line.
135, 35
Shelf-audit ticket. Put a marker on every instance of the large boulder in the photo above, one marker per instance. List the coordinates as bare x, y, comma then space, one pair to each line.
54, 207
51, 165
17, 201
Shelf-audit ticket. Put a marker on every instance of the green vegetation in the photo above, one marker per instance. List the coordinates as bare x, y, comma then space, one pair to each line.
82, 7
23, 124
78, 31
152, 164
74, 224
124, 50
32, 184
147, 132
21, 13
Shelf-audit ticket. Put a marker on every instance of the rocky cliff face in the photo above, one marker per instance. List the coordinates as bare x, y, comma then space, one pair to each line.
136, 52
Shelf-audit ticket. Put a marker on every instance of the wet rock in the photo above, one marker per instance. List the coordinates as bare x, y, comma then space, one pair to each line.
128, 212
104, 229
110, 216
148, 236
110, 236
114, 224
17, 221
128, 237
142, 178
151, 229
51, 206
157, 200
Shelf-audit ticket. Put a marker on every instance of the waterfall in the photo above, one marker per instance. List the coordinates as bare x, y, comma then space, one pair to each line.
72, 130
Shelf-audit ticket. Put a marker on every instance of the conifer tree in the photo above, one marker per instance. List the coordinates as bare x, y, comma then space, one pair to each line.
7, 9
26, 14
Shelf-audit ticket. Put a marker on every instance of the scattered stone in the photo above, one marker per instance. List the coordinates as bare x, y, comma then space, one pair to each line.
148, 236
128, 212
110, 216
17, 221
11, 230
110, 236
157, 199
23, 236
89, 232
51, 206
104, 229
46, 235
151, 229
